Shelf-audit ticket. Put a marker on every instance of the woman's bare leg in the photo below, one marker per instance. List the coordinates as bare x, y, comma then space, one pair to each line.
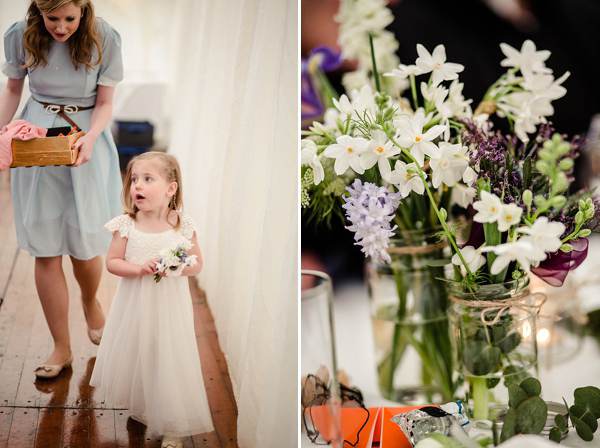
88, 273
54, 296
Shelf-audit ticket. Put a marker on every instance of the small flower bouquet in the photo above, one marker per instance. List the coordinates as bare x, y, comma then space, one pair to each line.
396, 155
174, 259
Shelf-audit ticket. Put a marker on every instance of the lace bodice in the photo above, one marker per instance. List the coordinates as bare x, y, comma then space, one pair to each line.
142, 246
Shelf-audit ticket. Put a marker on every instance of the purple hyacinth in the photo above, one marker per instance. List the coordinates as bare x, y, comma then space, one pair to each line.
370, 209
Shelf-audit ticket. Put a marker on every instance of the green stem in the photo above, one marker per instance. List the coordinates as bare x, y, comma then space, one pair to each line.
480, 398
437, 211
413, 88
375, 74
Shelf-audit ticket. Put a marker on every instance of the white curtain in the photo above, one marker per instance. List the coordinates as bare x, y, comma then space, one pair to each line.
234, 130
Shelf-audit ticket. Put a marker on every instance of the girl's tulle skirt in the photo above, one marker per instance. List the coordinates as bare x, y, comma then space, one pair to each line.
148, 359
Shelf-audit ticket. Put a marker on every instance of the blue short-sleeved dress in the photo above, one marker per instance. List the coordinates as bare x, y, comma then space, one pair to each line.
61, 210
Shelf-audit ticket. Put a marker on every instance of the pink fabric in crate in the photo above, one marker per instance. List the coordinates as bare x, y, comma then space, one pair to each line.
18, 129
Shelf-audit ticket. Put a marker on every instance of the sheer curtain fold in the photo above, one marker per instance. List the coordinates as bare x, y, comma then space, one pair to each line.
234, 131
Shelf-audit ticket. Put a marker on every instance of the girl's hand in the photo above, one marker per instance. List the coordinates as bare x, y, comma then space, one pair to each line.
85, 145
149, 267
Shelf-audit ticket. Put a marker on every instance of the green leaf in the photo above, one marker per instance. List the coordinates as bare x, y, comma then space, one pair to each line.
560, 421
513, 375
492, 382
509, 343
516, 395
508, 427
555, 435
588, 397
527, 173
582, 429
480, 358
531, 416
532, 387
584, 415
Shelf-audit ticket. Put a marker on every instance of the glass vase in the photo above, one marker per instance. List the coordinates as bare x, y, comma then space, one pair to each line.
408, 310
494, 342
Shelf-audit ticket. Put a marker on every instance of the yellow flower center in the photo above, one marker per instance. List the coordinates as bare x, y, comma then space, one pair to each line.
417, 139
437, 64
350, 150
379, 149
493, 209
408, 176
508, 217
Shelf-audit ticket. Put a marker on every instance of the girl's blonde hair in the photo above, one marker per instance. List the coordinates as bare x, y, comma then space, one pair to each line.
37, 40
170, 171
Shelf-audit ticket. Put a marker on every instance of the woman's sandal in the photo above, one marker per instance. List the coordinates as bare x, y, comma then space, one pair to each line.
171, 442
52, 371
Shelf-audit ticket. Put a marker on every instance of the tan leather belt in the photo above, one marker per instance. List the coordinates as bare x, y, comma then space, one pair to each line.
62, 111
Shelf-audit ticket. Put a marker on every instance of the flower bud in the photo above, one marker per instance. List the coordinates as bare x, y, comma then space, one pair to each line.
443, 214
560, 183
546, 154
539, 201
563, 148
565, 164
566, 248
527, 197
578, 218
542, 166
558, 201
583, 233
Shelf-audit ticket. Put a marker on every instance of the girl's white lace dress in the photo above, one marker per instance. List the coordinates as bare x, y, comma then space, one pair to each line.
148, 359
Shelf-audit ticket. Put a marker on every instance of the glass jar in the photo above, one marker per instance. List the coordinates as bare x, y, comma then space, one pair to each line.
493, 337
408, 304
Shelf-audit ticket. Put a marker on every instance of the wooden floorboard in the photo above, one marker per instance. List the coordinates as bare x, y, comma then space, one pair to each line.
64, 412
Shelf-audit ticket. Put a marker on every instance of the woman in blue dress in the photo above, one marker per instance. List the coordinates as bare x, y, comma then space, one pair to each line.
73, 61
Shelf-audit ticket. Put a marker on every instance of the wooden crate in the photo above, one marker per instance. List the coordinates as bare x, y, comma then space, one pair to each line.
47, 151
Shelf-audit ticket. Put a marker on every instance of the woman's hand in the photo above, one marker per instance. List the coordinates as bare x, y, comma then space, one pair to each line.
85, 145
149, 267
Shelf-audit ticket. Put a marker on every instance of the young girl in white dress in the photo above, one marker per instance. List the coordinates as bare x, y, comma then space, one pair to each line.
148, 359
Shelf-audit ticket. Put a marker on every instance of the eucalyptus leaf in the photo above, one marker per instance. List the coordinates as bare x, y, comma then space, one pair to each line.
513, 375
531, 416
499, 332
509, 343
516, 395
492, 382
588, 397
532, 387
582, 429
560, 421
508, 427
555, 435
480, 358
584, 415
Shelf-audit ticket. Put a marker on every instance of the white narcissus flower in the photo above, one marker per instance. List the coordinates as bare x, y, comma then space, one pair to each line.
463, 195
527, 60
488, 207
308, 156
510, 214
472, 257
411, 136
469, 176
521, 251
449, 166
404, 71
346, 152
543, 234
407, 178
379, 149
436, 94
343, 105
545, 86
436, 63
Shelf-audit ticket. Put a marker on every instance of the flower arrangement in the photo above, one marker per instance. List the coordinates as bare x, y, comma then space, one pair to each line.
174, 259
394, 157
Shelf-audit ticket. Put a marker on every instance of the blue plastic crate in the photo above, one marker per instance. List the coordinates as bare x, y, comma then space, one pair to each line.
135, 133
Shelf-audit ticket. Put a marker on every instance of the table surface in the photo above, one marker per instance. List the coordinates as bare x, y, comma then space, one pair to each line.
559, 377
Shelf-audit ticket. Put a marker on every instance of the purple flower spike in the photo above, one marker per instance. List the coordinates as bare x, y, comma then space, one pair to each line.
326, 58
370, 209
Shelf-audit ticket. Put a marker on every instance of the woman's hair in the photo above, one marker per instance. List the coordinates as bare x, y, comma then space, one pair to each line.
37, 40
170, 170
